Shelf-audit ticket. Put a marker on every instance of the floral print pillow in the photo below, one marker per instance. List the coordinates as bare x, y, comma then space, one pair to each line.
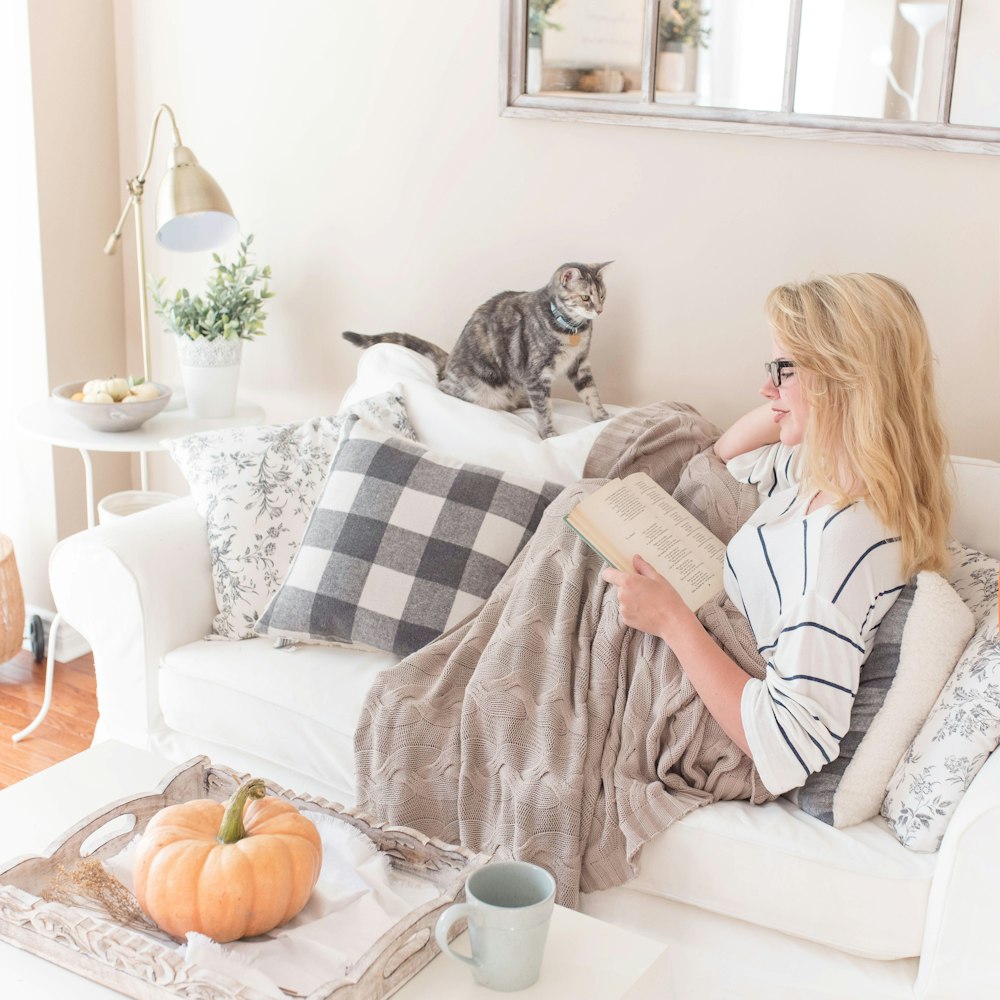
961, 731
256, 488
974, 576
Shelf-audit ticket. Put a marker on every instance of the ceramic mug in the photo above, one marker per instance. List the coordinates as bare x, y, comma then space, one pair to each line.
508, 908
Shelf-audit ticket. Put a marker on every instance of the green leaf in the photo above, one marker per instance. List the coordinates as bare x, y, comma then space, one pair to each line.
231, 305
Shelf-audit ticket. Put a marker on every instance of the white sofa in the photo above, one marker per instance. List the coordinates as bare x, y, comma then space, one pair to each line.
759, 901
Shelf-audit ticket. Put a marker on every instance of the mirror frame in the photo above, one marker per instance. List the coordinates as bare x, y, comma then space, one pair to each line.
515, 102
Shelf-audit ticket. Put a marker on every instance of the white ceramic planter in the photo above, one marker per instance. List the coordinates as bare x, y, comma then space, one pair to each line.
671, 68
211, 373
533, 70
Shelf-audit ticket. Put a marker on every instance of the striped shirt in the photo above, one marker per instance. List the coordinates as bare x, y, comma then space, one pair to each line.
814, 588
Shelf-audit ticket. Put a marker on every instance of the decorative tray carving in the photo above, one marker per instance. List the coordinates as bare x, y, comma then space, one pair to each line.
143, 965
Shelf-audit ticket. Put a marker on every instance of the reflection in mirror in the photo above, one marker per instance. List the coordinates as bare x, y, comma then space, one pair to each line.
741, 58
871, 58
848, 70
976, 97
591, 47
683, 32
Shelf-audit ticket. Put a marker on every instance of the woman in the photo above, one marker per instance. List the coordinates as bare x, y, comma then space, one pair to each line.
849, 455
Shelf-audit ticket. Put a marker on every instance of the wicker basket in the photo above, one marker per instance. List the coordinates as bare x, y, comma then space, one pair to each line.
11, 603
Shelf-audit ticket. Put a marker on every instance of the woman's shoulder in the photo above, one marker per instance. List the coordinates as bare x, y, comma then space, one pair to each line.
771, 468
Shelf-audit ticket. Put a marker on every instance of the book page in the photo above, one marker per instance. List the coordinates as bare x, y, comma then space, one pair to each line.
633, 516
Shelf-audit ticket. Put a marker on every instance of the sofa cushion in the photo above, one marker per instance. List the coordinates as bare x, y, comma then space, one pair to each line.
915, 650
297, 706
256, 488
473, 433
856, 890
403, 544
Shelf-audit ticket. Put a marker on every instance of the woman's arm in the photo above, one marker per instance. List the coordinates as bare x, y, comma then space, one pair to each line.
649, 603
751, 431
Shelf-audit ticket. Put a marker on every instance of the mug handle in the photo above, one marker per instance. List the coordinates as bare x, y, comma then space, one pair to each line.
450, 916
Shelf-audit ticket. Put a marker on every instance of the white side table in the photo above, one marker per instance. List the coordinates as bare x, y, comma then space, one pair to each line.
50, 423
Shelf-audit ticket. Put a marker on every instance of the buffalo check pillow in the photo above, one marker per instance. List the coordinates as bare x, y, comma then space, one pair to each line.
403, 544
256, 488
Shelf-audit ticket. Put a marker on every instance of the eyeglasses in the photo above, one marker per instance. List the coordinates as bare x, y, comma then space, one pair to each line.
775, 368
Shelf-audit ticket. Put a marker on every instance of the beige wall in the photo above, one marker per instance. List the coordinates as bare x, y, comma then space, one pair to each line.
362, 144
79, 200
63, 303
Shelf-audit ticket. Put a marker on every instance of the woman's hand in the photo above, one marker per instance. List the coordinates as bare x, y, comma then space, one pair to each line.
647, 601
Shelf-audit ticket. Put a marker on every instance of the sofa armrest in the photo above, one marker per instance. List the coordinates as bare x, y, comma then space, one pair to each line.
957, 958
135, 588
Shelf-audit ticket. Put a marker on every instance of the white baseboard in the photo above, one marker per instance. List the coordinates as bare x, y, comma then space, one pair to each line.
69, 643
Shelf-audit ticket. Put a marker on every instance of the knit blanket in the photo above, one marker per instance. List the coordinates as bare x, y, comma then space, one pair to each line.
543, 728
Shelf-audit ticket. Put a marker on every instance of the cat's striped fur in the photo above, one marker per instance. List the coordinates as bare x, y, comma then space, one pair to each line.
514, 345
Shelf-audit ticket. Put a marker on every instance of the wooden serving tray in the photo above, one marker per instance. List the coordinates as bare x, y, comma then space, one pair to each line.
143, 965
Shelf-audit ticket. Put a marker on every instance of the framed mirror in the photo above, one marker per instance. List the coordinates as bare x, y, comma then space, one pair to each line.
905, 72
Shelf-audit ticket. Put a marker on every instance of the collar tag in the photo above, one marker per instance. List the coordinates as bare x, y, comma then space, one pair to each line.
574, 340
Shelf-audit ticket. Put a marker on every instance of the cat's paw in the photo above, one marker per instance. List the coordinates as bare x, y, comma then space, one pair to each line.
601, 414
546, 432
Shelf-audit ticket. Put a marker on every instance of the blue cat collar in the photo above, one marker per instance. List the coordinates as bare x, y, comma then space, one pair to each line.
562, 322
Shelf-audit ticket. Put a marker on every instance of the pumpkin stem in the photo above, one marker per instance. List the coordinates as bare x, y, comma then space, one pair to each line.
231, 829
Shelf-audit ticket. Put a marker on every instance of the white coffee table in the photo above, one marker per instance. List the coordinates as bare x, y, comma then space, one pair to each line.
585, 958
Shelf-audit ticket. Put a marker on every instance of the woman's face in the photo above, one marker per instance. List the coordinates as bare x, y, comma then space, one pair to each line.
791, 412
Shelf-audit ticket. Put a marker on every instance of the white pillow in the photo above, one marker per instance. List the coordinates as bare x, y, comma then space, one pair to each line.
915, 650
256, 488
473, 433
961, 731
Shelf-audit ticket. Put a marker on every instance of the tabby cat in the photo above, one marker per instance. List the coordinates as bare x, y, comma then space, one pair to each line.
514, 345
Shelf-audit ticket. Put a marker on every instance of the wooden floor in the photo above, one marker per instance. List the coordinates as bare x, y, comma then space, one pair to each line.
67, 729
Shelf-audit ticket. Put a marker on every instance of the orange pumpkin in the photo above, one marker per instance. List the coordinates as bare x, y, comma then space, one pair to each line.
225, 872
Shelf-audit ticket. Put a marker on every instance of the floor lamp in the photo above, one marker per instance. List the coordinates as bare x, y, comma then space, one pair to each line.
192, 213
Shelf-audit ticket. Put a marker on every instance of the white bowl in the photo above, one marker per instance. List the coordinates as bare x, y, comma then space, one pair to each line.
110, 416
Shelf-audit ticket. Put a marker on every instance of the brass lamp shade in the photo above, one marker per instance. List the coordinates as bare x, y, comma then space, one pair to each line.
192, 212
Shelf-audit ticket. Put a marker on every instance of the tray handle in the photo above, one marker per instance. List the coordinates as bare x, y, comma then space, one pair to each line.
410, 947
34, 873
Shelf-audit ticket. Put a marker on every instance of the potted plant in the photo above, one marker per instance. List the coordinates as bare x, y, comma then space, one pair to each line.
680, 26
538, 22
211, 329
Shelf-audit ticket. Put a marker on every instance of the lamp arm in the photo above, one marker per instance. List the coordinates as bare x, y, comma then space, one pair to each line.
136, 185
112, 244
141, 179
134, 205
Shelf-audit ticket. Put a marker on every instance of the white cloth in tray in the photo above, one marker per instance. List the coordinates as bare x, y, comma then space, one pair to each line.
357, 899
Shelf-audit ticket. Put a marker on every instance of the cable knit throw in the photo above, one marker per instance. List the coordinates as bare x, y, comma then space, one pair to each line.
543, 728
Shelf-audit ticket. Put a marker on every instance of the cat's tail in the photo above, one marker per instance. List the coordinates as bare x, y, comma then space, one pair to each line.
438, 355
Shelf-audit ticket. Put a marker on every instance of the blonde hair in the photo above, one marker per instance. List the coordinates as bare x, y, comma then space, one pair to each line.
861, 344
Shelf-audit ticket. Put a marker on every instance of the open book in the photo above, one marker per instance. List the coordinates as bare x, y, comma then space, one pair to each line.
633, 516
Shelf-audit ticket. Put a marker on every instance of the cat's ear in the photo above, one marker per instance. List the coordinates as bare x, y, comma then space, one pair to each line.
569, 274
600, 267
